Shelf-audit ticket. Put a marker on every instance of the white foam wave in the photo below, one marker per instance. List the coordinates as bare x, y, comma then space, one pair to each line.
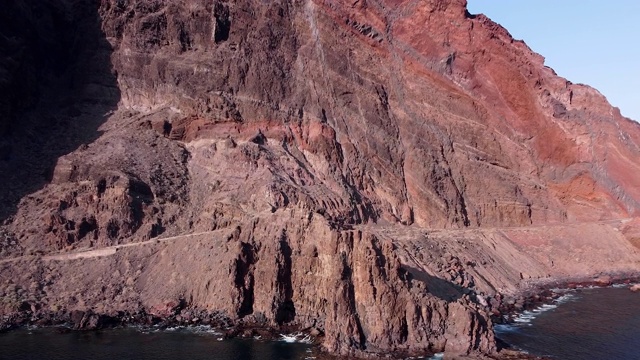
198, 329
296, 338
203, 329
438, 356
564, 298
526, 317
504, 328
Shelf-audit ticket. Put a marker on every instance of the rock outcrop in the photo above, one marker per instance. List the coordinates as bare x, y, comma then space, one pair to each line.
378, 171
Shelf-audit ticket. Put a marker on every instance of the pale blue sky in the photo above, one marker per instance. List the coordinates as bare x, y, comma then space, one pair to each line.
595, 42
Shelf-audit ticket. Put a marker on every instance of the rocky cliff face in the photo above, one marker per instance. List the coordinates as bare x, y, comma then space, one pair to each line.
344, 166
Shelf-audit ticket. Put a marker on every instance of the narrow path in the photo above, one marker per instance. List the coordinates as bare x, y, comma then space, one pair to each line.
396, 230
111, 250
106, 251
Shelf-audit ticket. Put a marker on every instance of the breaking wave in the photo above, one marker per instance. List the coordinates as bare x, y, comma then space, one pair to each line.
299, 338
526, 317
197, 329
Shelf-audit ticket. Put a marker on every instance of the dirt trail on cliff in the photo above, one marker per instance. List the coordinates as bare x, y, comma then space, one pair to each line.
105, 251
509, 260
111, 250
396, 232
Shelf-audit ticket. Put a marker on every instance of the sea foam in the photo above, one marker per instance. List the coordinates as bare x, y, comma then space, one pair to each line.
296, 338
526, 317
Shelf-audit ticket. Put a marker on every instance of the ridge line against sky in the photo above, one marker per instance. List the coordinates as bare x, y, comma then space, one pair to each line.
592, 42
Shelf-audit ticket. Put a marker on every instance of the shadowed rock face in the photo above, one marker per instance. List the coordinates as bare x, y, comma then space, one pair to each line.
56, 85
312, 164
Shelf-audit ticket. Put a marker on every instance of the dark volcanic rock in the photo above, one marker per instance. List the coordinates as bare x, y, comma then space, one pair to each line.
56, 89
376, 172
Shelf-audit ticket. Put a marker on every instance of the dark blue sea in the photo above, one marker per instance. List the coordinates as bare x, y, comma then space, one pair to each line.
585, 324
143, 344
588, 324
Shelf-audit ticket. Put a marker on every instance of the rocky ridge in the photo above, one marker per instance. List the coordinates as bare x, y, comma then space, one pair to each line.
382, 172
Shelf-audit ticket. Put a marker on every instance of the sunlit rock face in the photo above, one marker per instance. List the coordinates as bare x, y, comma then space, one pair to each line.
372, 169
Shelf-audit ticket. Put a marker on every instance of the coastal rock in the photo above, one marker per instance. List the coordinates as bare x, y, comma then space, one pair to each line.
86, 320
371, 170
604, 280
635, 288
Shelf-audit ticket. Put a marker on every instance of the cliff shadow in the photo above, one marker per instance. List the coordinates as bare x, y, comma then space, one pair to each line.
57, 87
442, 289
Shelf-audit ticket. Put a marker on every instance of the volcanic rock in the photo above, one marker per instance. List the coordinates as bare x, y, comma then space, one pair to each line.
371, 170
604, 280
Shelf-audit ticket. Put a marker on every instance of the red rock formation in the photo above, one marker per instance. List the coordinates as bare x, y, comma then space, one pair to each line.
370, 169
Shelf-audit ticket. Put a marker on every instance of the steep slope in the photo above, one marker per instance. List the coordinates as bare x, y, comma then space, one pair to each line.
371, 169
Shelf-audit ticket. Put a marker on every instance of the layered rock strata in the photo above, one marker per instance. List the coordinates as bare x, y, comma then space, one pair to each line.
375, 170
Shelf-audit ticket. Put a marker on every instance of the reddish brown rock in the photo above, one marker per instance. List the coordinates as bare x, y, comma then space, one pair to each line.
604, 280
371, 170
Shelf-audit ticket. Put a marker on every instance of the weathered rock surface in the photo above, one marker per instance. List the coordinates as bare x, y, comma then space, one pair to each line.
378, 171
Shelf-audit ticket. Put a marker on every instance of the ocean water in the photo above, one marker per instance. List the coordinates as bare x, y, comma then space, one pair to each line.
144, 344
585, 324
588, 324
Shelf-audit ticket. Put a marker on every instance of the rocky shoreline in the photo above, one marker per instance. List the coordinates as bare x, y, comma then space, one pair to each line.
539, 294
504, 309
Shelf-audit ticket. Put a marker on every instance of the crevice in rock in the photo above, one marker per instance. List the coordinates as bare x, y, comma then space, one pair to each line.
87, 225
350, 299
166, 128
381, 260
286, 310
244, 280
222, 25
101, 187
113, 229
